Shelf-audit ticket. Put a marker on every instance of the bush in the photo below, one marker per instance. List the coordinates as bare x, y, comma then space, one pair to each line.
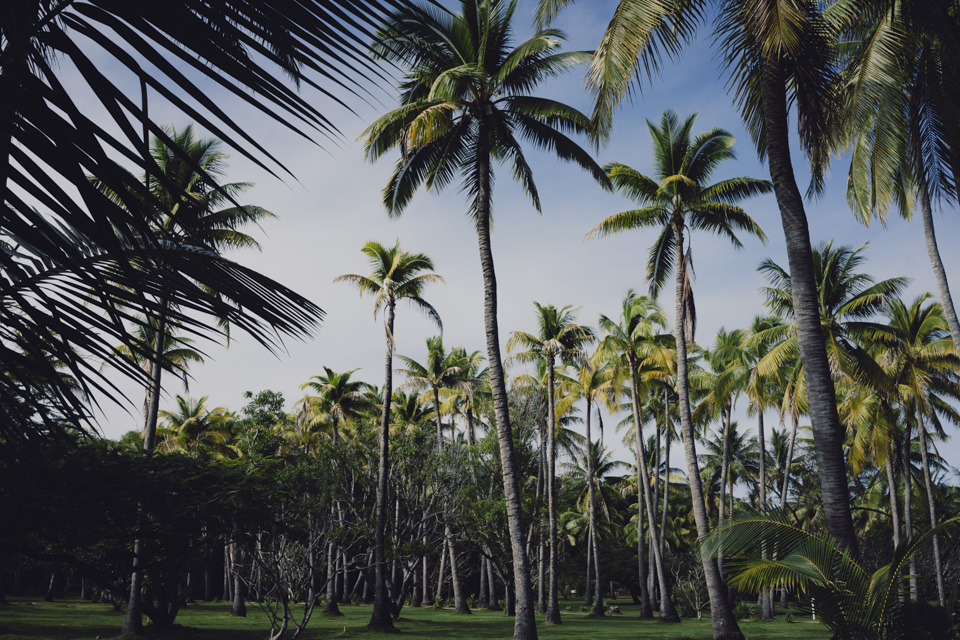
742, 611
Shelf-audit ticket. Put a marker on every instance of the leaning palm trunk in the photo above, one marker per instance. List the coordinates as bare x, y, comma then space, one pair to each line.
789, 461
646, 607
553, 602
592, 527
724, 472
724, 623
668, 612
525, 624
381, 618
932, 506
939, 273
827, 430
766, 596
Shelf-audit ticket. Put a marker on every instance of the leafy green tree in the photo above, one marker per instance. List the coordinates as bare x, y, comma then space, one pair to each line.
396, 275
468, 98
678, 198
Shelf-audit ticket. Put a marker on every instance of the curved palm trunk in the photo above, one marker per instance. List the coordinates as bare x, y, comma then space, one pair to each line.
592, 526
789, 461
381, 618
668, 612
524, 623
827, 431
932, 507
646, 607
939, 273
907, 506
553, 602
724, 624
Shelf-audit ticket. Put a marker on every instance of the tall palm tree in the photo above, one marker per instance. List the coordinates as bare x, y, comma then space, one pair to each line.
927, 375
591, 383
901, 107
778, 54
468, 98
632, 343
49, 137
678, 198
395, 275
558, 337
442, 370
341, 399
193, 210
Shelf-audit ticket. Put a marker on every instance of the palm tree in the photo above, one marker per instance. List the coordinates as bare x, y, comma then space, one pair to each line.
396, 275
558, 336
680, 197
191, 212
778, 54
591, 383
341, 399
926, 371
467, 99
902, 121
194, 428
632, 344
75, 252
441, 370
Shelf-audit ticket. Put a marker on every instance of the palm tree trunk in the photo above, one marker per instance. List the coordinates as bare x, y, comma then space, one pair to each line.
788, 463
828, 433
592, 523
553, 602
442, 567
524, 624
381, 618
766, 596
459, 595
484, 600
238, 608
907, 510
725, 626
666, 479
668, 612
330, 608
492, 586
724, 472
894, 503
932, 506
939, 273
587, 592
646, 607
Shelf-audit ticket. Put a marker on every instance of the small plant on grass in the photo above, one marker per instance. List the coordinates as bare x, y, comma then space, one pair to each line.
742, 611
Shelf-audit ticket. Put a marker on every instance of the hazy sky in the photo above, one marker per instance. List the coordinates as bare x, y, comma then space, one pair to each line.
333, 207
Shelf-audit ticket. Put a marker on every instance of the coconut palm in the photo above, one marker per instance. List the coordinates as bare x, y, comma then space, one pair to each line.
591, 383
779, 55
678, 198
75, 252
927, 373
196, 429
901, 107
558, 337
395, 275
468, 97
633, 345
341, 399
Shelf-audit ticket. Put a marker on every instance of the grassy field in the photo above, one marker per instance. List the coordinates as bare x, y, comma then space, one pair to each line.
76, 620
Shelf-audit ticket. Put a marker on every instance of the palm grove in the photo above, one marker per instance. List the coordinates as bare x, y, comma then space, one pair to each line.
462, 478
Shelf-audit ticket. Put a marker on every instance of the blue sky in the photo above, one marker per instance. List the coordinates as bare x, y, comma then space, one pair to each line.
333, 207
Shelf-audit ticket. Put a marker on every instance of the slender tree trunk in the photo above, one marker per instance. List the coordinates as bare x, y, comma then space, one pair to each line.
724, 472
330, 608
789, 461
646, 607
668, 612
442, 567
459, 595
766, 596
553, 600
592, 523
587, 593
894, 503
525, 624
666, 480
828, 433
939, 273
483, 601
907, 510
238, 608
724, 624
426, 577
932, 506
492, 586
381, 619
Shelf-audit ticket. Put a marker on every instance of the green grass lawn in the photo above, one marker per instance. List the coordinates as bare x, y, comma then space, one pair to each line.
74, 620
